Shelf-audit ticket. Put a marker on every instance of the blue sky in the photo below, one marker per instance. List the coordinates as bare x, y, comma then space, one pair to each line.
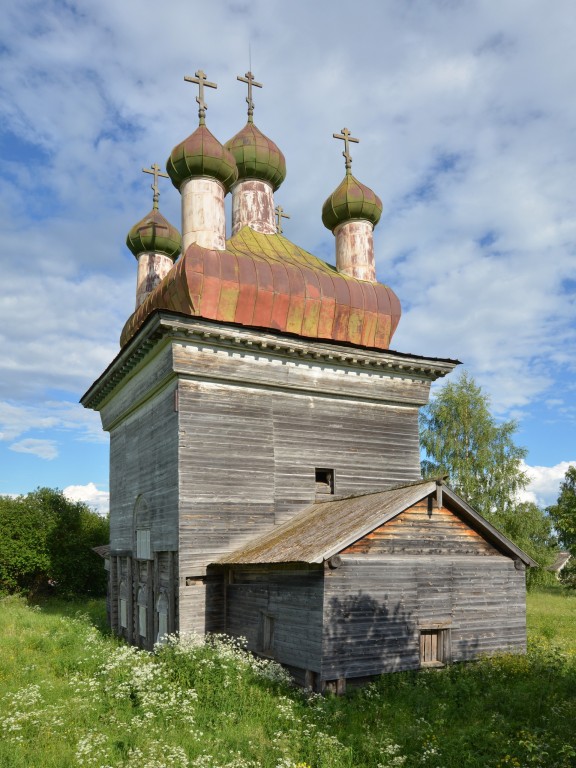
467, 128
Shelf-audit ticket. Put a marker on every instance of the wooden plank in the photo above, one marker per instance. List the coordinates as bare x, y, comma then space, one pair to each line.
130, 606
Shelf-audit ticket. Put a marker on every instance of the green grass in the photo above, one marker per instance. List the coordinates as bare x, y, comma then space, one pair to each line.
551, 613
71, 695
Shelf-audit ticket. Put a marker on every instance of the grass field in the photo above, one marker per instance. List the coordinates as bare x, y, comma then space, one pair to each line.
72, 696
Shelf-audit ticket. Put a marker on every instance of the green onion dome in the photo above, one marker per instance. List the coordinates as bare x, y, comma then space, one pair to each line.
154, 234
257, 157
201, 154
351, 200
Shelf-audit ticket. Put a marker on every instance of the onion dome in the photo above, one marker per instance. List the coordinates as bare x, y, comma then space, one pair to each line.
351, 200
201, 154
154, 234
257, 157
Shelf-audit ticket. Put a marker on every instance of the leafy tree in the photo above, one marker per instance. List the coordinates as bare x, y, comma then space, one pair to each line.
47, 539
530, 528
563, 516
461, 438
563, 513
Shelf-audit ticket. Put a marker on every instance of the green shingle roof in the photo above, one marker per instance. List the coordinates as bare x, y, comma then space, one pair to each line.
154, 234
351, 200
201, 154
257, 157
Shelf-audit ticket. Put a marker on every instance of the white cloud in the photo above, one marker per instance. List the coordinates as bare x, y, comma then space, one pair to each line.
89, 494
545, 483
44, 449
466, 124
17, 419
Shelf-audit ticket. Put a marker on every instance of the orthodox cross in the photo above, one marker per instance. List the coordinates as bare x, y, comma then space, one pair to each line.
346, 138
279, 216
249, 80
201, 82
155, 171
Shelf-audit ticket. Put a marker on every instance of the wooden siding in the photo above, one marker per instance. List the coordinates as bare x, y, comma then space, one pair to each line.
292, 599
150, 375
226, 471
141, 583
144, 464
221, 434
247, 460
370, 618
368, 445
489, 612
287, 369
376, 607
422, 530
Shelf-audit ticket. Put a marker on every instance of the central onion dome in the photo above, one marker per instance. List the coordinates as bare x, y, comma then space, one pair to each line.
351, 200
201, 154
257, 157
154, 234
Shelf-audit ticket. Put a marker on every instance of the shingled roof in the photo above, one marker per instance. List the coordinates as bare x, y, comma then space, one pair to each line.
266, 281
327, 527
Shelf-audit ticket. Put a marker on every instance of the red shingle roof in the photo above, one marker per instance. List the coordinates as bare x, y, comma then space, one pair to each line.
265, 281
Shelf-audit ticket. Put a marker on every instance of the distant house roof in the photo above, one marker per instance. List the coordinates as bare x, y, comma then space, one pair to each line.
327, 527
561, 559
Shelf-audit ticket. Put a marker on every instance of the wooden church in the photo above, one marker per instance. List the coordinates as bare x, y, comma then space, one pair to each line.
264, 458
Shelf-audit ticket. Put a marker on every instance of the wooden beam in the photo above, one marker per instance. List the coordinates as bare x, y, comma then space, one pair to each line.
439, 493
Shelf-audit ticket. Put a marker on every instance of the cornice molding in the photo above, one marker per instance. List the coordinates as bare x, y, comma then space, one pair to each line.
163, 326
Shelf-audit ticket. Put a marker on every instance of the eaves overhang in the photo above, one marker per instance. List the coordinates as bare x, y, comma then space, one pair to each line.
326, 528
163, 324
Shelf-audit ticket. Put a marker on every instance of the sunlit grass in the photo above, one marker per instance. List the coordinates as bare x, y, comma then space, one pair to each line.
551, 613
73, 696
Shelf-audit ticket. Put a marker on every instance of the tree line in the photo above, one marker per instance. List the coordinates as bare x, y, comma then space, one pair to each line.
46, 545
462, 440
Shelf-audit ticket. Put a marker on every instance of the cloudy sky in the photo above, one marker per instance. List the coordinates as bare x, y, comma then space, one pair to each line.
467, 122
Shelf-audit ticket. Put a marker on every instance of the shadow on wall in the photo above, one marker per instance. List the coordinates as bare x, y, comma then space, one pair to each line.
365, 637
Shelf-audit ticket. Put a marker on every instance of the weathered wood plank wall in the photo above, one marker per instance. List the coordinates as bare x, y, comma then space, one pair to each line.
144, 463
375, 606
292, 599
424, 529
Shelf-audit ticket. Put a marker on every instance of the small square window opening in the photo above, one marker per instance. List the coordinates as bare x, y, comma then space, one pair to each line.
434, 647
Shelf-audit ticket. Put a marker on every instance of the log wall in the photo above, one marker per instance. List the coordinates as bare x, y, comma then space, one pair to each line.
424, 529
375, 608
289, 598
216, 433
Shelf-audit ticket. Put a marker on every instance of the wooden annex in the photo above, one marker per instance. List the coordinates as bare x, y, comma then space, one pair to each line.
264, 457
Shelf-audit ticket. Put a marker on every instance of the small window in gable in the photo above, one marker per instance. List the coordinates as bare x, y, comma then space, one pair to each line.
143, 549
324, 481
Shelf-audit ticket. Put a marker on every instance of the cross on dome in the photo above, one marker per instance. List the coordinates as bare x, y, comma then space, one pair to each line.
155, 171
249, 80
346, 138
279, 211
201, 81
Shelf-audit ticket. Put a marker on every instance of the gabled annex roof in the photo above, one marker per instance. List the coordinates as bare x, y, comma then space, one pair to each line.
327, 527
266, 281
